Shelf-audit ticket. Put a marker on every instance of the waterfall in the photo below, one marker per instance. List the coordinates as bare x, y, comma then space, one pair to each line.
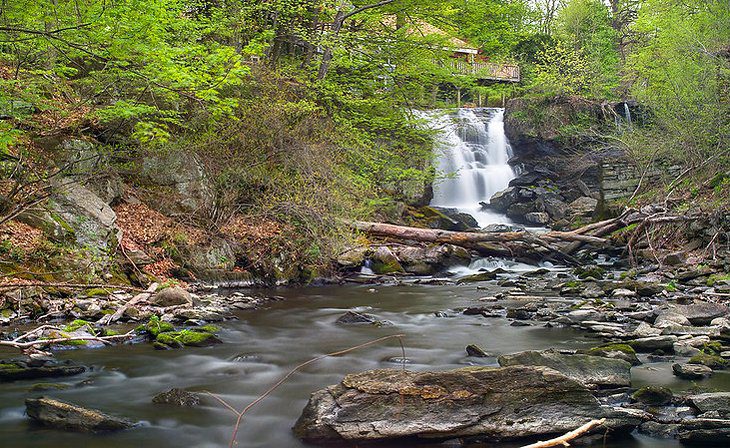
627, 112
473, 152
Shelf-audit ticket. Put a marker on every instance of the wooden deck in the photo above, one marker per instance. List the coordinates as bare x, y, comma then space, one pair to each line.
487, 70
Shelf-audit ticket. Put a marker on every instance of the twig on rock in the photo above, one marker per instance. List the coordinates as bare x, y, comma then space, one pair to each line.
565, 438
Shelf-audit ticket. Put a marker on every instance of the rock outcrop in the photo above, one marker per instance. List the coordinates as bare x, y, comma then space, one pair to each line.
63, 415
487, 403
591, 371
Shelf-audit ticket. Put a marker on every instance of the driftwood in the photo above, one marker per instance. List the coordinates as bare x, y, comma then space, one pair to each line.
27, 341
110, 318
503, 244
565, 438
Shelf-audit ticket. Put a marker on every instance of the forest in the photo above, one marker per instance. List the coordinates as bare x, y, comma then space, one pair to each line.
235, 178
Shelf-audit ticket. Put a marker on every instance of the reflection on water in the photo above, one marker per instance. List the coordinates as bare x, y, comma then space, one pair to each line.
259, 349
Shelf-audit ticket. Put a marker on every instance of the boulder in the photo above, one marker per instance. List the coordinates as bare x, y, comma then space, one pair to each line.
704, 431
63, 415
670, 318
591, 371
384, 261
616, 351
653, 396
460, 221
476, 351
651, 343
702, 313
352, 258
583, 206
431, 259
539, 218
712, 401
26, 369
177, 397
355, 317
490, 403
171, 296
501, 200
691, 371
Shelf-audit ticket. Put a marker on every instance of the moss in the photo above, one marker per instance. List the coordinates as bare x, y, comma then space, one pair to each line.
154, 327
625, 348
572, 284
187, 338
210, 328
97, 292
715, 278
712, 348
77, 324
711, 361
585, 272
653, 395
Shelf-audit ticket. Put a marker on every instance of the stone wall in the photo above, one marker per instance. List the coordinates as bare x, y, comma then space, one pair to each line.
619, 177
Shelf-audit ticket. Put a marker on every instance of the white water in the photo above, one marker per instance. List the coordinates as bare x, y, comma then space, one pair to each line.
473, 153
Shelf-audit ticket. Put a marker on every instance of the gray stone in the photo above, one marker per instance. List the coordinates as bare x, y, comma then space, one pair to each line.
713, 401
701, 431
539, 218
352, 258
591, 371
171, 296
384, 261
485, 402
476, 351
184, 176
670, 318
501, 200
177, 397
651, 343
63, 415
355, 317
702, 313
691, 371
583, 206
26, 369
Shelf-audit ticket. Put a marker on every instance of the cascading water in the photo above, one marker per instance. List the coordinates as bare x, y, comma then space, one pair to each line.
473, 154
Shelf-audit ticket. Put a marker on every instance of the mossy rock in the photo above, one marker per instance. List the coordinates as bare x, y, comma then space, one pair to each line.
480, 277
187, 338
154, 327
712, 361
653, 395
594, 272
77, 324
616, 351
96, 292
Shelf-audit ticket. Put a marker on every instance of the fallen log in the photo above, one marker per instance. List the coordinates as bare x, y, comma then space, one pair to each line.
510, 244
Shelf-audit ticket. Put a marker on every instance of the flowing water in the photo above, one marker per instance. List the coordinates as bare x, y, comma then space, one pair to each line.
263, 345
473, 156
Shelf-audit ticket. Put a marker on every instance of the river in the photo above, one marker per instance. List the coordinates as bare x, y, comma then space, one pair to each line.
263, 345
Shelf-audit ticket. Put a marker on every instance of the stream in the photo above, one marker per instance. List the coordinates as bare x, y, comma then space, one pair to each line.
263, 345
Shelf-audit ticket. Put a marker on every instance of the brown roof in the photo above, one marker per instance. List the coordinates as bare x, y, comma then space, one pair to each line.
423, 28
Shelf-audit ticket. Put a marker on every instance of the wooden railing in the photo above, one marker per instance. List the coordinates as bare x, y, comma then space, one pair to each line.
487, 70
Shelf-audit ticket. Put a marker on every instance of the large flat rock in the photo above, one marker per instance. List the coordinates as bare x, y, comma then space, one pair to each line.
488, 403
71, 417
591, 371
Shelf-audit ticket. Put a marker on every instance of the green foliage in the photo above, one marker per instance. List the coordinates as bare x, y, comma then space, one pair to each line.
584, 58
679, 72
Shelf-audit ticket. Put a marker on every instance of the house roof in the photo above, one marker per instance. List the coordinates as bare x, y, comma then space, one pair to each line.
423, 28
